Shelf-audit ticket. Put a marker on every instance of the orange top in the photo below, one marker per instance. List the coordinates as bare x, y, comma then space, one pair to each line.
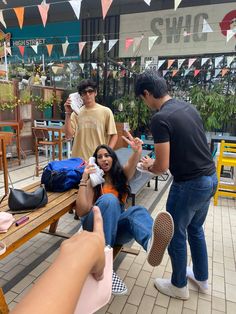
108, 188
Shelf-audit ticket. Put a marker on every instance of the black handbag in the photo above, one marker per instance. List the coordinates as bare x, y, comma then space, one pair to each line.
20, 201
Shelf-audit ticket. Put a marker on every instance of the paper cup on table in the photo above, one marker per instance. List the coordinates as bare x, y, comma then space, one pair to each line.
76, 102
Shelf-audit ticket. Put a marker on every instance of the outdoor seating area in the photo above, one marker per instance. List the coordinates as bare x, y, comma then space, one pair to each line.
118, 134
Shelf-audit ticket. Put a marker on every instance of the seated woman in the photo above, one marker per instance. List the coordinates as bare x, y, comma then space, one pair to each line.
122, 225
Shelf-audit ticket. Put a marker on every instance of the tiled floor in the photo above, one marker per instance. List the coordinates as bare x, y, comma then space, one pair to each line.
20, 270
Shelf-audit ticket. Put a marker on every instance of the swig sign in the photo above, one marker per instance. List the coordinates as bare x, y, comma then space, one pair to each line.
186, 31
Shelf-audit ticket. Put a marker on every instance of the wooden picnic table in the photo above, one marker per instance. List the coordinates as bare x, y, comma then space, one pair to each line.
58, 205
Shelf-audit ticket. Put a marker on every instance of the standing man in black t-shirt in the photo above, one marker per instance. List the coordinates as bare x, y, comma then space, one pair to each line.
181, 146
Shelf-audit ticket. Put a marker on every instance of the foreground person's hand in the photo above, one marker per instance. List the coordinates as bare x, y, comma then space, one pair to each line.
89, 245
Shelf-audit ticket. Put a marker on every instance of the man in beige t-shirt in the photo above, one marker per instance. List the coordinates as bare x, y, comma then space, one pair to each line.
93, 125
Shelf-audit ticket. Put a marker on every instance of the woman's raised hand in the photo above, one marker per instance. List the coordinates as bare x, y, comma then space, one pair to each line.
135, 143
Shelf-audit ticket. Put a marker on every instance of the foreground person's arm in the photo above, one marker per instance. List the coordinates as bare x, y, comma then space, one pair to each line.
58, 290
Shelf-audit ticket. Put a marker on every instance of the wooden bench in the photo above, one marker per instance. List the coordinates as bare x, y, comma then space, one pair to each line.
49, 215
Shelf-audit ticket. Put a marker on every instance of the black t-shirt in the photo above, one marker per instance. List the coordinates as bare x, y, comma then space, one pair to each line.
180, 124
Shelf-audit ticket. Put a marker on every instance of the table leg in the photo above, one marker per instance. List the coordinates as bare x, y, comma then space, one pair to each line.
53, 226
18, 143
60, 145
3, 305
4, 162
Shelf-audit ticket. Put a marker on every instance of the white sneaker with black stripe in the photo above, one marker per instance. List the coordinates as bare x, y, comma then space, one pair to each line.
118, 286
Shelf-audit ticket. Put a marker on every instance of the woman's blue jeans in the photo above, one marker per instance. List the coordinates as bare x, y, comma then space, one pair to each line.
120, 225
188, 203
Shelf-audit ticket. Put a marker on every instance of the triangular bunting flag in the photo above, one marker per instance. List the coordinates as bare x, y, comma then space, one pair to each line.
196, 72
114, 73
81, 46
22, 50
218, 60
229, 60
230, 34
206, 27
177, 3
108, 73
151, 41
191, 62
8, 50
2, 19
148, 2
20, 15
186, 72
111, 44
105, 7
132, 63
160, 63
170, 62
35, 48
43, 10
147, 63
224, 71
180, 62
49, 49
64, 47
76, 5
137, 43
217, 72
204, 60
82, 66
96, 43
164, 72
128, 43
94, 65
174, 72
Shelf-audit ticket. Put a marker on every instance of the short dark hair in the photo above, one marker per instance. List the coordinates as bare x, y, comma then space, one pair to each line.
153, 82
85, 84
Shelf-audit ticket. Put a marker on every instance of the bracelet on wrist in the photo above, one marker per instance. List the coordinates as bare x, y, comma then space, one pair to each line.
83, 184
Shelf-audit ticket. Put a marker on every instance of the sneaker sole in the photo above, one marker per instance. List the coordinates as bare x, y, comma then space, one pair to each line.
171, 293
163, 230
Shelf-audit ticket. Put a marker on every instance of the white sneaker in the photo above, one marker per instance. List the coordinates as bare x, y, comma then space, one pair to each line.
165, 286
162, 233
202, 285
97, 177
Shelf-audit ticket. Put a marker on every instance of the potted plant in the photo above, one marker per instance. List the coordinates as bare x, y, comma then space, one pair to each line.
133, 111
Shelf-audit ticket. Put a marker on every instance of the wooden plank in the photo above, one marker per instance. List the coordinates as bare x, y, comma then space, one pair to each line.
39, 220
3, 305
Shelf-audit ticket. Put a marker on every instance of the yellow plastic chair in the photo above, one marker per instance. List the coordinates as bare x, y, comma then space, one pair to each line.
227, 157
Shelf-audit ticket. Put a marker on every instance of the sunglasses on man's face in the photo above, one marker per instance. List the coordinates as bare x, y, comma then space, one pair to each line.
87, 91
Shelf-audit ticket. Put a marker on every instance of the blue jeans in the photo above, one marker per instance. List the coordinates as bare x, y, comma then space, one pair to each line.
120, 225
188, 203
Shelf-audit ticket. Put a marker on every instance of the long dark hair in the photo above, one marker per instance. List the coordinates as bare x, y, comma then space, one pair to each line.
117, 175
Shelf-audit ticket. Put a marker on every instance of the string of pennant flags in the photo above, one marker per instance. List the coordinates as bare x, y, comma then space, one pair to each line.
184, 67
75, 4
133, 43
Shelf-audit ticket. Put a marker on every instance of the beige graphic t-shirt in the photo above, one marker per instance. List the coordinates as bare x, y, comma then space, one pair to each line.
92, 127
